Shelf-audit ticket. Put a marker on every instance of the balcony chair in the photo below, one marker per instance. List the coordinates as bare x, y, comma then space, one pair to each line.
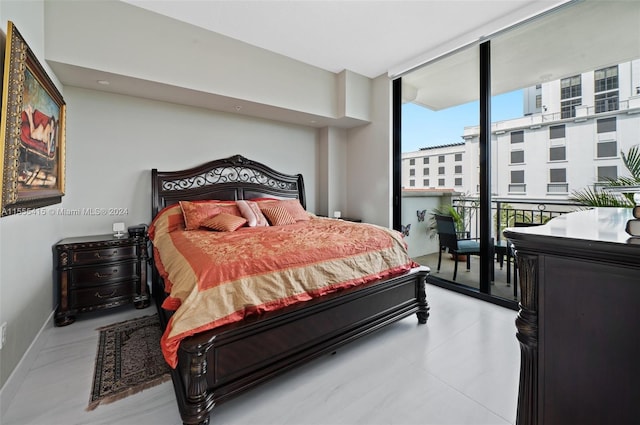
448, 237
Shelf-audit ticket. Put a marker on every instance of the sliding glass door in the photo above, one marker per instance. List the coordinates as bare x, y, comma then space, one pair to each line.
439, 101
508, 132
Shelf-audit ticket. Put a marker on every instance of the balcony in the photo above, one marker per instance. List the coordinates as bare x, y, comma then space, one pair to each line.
423, 240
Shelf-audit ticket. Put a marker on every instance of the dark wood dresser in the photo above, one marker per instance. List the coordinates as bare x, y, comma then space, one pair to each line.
99, 272
578, 318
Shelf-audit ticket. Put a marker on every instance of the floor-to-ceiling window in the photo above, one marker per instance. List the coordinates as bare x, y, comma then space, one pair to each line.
565, 97
438, 102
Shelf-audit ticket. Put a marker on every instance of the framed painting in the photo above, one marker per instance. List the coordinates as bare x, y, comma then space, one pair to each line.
32, 131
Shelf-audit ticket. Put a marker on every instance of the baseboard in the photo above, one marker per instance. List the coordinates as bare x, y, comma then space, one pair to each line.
19, 374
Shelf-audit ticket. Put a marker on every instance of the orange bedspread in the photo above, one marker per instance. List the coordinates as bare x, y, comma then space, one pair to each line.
216, 278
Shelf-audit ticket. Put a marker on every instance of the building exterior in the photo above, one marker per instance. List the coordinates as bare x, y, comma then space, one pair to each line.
571, 137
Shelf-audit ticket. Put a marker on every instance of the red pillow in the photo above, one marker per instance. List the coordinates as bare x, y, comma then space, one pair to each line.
278, 216
195, 212
295, 209
293, 206
224, 222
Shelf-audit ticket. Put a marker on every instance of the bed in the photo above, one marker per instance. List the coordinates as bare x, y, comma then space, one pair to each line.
213, 364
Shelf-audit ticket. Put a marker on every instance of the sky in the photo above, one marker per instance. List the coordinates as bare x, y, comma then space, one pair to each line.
422, 127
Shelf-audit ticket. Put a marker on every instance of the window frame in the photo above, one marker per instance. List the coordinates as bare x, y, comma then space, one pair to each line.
564, 156
516, 151
514, 136
603, 143
603, 125
604, 179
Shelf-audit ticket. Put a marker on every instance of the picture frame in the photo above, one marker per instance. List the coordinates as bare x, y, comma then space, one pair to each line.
32, 131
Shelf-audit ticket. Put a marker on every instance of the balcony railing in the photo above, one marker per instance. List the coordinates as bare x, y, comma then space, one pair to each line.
506, 213
517, 188
557, 187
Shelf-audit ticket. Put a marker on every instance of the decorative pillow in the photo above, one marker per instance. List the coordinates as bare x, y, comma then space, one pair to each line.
292, 205
251, 212
224, 222
195, 212
295, 209
278, 216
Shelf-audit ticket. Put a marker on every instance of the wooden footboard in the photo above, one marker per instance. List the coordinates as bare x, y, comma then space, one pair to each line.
220, 364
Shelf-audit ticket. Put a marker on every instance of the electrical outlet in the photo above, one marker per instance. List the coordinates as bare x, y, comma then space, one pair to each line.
3, 334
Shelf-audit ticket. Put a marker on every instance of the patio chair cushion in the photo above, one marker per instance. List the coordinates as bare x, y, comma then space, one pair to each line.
468, 247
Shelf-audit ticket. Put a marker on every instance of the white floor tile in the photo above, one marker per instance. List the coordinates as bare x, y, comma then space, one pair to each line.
460, 368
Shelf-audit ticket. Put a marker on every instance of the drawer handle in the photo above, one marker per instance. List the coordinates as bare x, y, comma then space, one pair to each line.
97, 254
106, 296
100, 275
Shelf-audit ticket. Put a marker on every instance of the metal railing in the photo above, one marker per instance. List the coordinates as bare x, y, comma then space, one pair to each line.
506, 213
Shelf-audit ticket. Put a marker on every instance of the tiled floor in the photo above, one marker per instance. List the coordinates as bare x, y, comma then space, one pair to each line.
499, 287
460, 368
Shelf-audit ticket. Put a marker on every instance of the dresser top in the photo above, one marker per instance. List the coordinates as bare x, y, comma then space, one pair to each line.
92, 239
594, 233
597, 224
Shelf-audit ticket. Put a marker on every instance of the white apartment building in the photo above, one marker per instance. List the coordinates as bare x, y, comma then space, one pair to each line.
570, 138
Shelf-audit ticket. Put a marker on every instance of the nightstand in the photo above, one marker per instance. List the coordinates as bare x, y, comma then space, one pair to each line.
355, 220
99, 272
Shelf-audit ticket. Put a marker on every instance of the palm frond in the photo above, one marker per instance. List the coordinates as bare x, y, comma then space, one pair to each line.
596, 198
632, 162
619, 198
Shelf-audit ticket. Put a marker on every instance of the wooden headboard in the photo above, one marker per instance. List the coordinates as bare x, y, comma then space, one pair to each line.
231, 178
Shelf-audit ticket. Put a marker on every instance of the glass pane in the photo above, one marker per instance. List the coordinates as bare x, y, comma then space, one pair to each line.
607, 149
556, 131
557, 153
606, 125
552, 82
517, 176
517, 157
578, 75
440, 105
517, 137
607, 173
558, 175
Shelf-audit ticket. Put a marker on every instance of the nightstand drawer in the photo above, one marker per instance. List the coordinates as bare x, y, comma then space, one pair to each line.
89, 276
102, 255
100, 295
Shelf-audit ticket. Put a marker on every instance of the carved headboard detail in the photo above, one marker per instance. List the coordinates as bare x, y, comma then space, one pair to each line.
231, 178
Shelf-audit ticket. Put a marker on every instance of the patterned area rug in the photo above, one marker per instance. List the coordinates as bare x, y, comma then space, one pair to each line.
128, 360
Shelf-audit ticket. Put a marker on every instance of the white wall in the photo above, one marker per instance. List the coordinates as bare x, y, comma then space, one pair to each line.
130, 41
113, 141
332, 161
369, 170
26, 289
419, 240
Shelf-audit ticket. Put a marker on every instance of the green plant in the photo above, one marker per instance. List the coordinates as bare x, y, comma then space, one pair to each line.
603, 198
462, 213
449, 210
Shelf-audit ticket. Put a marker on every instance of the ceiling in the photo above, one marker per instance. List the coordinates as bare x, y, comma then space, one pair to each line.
581, 37
378, 37
368, 37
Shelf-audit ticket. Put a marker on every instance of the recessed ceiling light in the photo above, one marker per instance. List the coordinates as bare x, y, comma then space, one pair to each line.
103, 82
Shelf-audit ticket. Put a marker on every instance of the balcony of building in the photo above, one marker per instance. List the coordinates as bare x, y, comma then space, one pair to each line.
418, 207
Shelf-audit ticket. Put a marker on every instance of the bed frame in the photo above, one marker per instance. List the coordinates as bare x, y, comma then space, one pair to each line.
224, 362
